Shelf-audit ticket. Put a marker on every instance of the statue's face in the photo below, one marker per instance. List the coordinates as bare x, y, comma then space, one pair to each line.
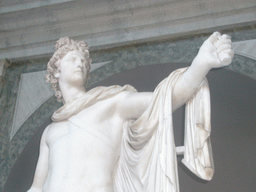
73, 69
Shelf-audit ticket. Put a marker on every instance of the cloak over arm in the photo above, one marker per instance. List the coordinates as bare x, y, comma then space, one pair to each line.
198, 153
148, 155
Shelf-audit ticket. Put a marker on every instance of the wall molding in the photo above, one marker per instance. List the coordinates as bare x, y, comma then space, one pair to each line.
32, 32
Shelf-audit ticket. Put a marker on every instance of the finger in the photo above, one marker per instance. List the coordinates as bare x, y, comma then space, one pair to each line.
223, 47
225, 36
222, 42
214, 37
230, 52
225, 59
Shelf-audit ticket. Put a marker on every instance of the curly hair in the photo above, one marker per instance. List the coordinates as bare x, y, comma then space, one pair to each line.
63, 46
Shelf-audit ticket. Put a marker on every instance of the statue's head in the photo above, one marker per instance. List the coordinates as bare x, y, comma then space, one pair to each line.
63, 46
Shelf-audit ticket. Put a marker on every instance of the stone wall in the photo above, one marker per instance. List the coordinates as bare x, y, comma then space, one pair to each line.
30, 28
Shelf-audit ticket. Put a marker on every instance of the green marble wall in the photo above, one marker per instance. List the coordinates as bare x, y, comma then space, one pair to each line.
181, 50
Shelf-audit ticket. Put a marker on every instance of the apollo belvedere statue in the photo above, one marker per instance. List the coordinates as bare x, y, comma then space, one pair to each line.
117, 139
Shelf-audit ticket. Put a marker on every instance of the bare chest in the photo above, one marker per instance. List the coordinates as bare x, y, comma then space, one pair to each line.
78, 157
100, 118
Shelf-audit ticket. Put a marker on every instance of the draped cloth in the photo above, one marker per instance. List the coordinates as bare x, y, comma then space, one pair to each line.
198, 152
95, 95
147, 159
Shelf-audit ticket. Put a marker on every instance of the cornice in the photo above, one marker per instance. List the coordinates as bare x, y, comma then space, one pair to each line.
33, 32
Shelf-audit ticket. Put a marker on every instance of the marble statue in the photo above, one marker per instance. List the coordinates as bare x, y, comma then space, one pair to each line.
116, 139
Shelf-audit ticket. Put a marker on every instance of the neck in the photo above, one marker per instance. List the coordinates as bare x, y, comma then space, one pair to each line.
69, 92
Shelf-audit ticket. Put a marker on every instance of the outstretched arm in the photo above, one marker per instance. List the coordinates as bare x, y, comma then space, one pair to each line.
42, 166
214, 53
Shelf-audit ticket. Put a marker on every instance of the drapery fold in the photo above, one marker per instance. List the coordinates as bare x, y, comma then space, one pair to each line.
198, 152
77, 104
148, 156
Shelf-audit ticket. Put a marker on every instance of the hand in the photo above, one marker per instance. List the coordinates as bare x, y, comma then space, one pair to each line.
216, 51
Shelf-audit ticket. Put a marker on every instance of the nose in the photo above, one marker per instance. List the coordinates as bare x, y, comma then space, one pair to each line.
79, 63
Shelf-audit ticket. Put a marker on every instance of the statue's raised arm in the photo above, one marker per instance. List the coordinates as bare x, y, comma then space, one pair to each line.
148, 152
214, 53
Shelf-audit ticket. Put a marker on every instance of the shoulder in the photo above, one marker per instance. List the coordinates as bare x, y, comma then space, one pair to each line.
130, 97
133, 104
135, 96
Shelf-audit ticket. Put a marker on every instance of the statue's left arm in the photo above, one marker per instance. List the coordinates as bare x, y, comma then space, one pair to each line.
159, 146
214, 53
